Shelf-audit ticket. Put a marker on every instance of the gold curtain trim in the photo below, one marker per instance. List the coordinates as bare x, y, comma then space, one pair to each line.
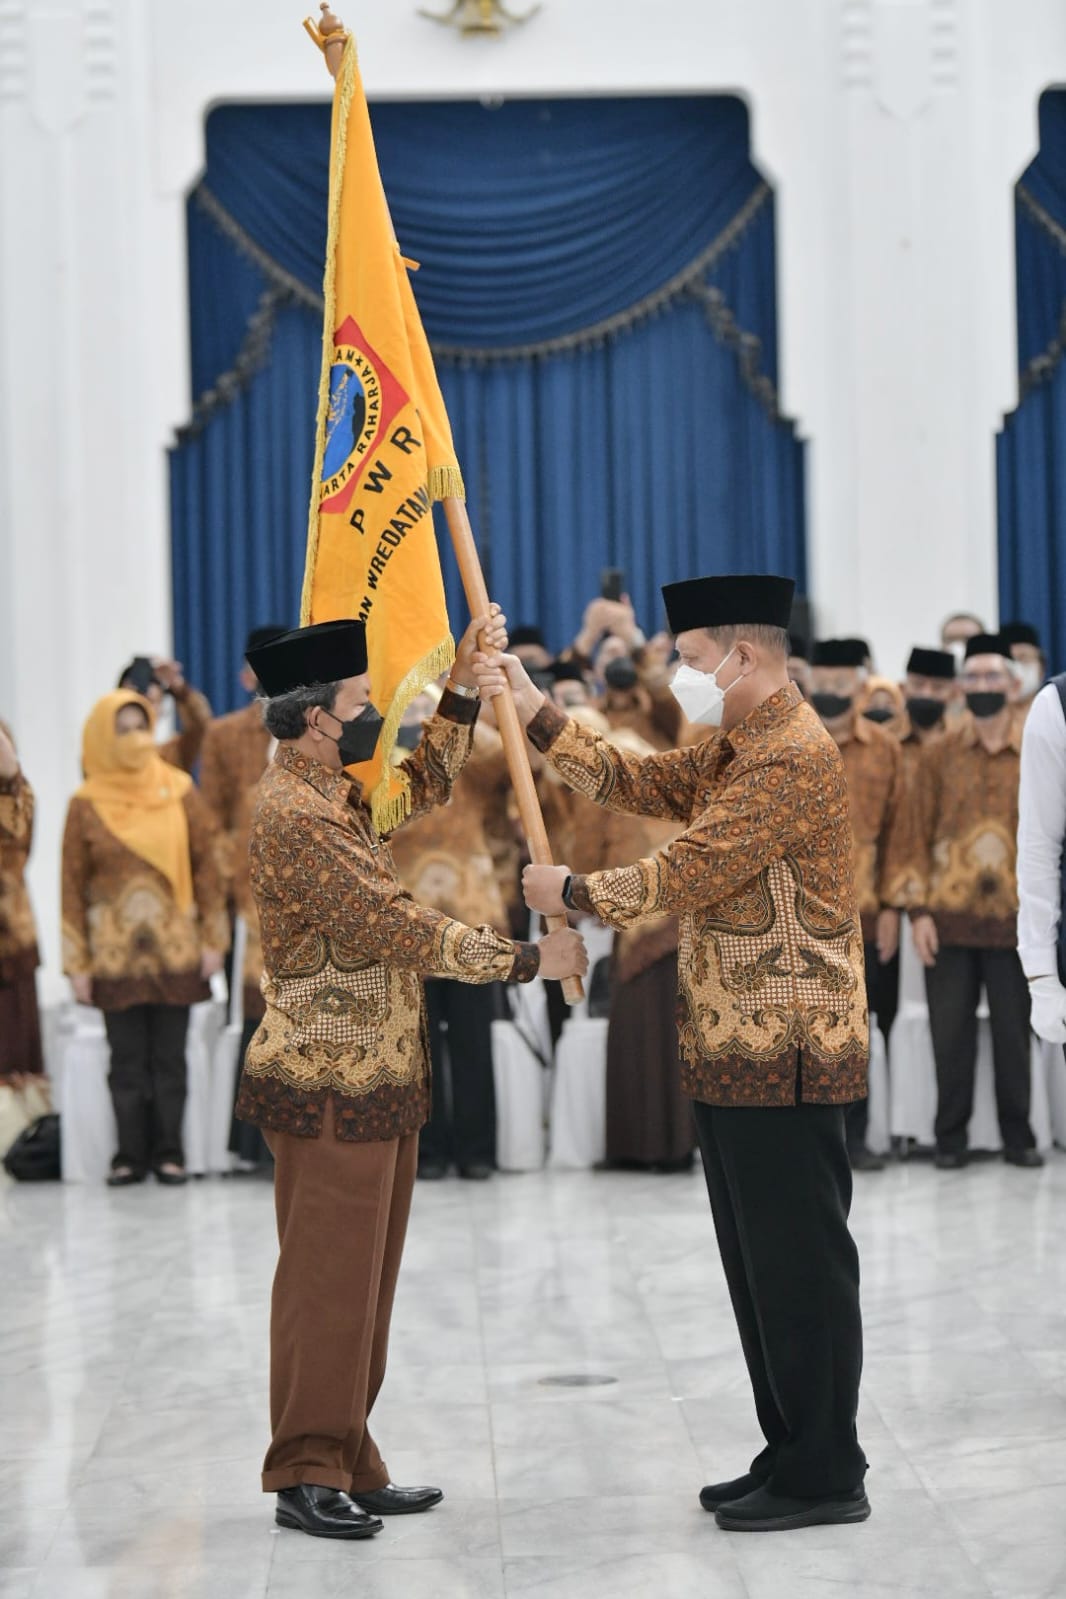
599, 332
228, 224
688, 284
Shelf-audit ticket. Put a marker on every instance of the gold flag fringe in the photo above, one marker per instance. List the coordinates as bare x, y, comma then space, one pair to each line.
390, 811
446, 483
345, 89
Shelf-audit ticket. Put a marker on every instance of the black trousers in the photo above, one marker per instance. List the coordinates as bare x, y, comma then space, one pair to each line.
882, 993
779, 1182
147, 1082
882, 989
462, 1123
246, 1141
953, 989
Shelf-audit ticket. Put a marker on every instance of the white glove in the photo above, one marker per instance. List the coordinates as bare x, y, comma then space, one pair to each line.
1048, 1016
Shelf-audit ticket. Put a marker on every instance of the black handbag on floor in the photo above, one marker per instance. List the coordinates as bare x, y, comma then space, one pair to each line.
34, 1156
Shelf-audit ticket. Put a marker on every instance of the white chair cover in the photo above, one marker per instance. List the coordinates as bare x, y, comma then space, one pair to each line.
227, 1048
521, 1069
1054, 1064
579, 1095
519, 1077
578, 1127
878, 1131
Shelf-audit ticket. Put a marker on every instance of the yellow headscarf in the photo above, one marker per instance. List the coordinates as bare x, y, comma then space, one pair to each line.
136, 793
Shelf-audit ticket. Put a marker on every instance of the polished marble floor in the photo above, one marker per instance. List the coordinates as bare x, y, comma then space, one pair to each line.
133, 1375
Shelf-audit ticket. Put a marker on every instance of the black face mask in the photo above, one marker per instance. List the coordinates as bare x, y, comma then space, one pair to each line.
925, 713
358, 737
831, 706
879, 714
986, 704
620, 674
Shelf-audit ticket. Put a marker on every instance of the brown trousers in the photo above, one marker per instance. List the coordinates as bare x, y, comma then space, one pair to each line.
342, 1212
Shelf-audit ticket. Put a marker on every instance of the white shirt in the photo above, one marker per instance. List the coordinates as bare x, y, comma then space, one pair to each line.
1041, 834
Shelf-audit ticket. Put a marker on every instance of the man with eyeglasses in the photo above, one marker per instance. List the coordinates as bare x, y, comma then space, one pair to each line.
961, 889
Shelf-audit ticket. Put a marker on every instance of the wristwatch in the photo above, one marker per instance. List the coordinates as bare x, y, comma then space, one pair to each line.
464, 692
566, 896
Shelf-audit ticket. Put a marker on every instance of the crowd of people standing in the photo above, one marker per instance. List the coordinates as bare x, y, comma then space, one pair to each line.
155, 883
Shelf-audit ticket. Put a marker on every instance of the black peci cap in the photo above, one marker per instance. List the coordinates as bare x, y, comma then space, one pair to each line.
566, 672
1020, 633
931, 663
840, 652
526, 635
757, 600
987, 644
326, 652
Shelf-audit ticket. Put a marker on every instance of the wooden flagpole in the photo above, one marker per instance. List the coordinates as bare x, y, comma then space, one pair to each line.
511, 730
328, 34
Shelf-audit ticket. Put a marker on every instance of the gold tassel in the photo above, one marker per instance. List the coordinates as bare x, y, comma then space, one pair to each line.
446, 483
389, 810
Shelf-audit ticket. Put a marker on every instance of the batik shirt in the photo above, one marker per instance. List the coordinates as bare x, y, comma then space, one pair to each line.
956, 856
18, 932
121, 923
772, 1005
345, 948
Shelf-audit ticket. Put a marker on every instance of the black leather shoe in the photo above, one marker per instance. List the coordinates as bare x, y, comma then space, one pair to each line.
477, 1173
1030, 1158
177, 1177
124, 1177
393, 1501
950, 1159
721, 1493
323, 1513
431, 1171
763, 1511
863, 1159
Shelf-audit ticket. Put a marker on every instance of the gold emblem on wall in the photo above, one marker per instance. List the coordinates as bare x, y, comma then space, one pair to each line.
479, 16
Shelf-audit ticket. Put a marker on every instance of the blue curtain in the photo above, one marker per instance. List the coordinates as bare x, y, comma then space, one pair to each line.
1031, 449
598, 283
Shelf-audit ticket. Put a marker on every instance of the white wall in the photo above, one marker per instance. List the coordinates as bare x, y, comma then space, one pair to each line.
893, 130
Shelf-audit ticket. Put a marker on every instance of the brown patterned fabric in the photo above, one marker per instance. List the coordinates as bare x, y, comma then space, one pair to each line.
121, 923
444, 857
345, 948
235, 754
18, 931
955, 854
873, 767
194, 718
772, 991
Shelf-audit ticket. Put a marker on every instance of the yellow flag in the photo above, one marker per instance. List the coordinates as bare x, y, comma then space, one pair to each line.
383, 450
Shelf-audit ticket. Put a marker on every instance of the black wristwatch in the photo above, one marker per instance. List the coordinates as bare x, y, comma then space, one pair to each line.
567, 896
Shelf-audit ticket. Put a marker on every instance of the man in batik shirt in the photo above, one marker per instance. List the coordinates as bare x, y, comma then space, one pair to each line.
773, 1020
338, 1075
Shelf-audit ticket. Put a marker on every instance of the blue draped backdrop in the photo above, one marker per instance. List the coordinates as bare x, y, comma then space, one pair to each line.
598, 285
1031, 449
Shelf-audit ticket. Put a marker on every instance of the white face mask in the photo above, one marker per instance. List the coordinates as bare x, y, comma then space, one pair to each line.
699, 696
1030, 677
957, 647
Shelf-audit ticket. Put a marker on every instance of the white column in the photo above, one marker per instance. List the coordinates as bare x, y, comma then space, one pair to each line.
895, 168
90, 362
